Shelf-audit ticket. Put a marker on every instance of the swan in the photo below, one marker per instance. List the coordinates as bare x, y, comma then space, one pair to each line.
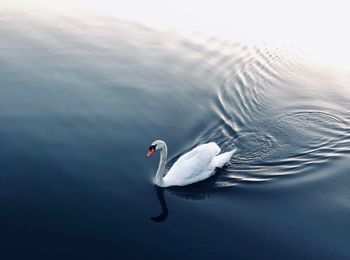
195, 165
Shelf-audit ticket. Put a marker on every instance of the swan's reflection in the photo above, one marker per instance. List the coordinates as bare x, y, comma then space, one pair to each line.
164, 214
220, 182
198, 191
185, 193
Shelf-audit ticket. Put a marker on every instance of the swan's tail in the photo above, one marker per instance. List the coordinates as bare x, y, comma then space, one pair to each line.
221, 159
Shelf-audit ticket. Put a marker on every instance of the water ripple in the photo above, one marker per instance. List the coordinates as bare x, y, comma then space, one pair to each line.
272, 138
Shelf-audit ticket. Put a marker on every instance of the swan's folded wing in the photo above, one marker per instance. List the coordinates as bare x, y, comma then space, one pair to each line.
210, 148
193, 166
221, 159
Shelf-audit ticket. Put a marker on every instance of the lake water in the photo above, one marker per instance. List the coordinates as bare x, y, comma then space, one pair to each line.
83, 97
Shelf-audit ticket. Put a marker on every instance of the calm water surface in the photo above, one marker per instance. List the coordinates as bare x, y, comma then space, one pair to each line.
83, 97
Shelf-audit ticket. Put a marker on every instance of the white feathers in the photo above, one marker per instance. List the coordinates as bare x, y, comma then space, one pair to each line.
221, 159
196, 165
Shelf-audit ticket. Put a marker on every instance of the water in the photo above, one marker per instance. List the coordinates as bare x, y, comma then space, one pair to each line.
83, 97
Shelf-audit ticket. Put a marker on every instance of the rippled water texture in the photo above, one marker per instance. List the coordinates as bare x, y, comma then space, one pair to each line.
83, 97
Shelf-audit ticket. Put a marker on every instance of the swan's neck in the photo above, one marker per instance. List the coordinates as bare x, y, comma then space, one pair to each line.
161, 167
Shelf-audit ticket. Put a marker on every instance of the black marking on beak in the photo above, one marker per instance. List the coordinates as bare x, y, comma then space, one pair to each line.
152, 147
151, 150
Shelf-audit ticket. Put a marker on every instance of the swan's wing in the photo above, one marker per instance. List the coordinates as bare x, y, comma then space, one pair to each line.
221, 159
206, 148
193, 166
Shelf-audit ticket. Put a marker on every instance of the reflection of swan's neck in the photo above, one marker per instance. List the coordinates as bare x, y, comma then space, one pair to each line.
162, 217
161, 167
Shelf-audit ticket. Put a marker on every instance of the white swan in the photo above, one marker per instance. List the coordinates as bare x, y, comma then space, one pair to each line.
194, 166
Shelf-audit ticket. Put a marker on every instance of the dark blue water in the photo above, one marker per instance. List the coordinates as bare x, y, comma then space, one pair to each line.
83, 97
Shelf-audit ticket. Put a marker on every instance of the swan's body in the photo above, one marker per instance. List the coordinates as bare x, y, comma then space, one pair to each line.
194, 166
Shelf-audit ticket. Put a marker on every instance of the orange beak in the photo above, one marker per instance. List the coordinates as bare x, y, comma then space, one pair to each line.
150, 152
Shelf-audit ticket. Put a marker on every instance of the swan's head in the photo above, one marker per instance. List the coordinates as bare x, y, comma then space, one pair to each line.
156, 145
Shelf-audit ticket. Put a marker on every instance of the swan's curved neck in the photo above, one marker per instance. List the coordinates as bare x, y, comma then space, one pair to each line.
161, 167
